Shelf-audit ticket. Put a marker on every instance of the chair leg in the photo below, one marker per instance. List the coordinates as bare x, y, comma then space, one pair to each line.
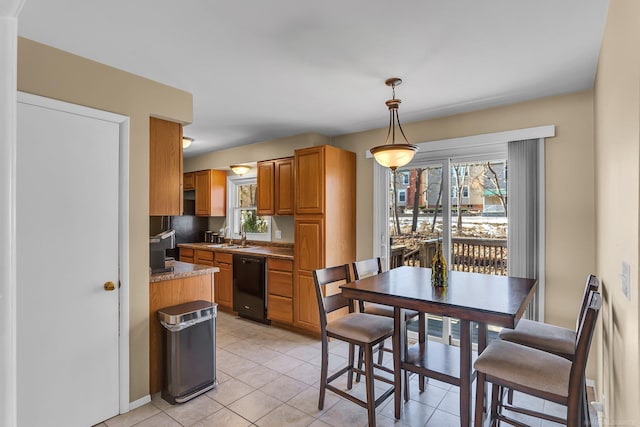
360, 358
350, 377
406, 386
495, 398
380, 352
422, 337
371, 400
479, 399
323, 372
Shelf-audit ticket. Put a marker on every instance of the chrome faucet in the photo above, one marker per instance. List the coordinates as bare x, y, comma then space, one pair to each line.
243, 237
227, 232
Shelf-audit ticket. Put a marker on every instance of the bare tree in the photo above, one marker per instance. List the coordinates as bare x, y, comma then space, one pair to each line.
416, 198
396, 208
459, 173
435, 212
493, 178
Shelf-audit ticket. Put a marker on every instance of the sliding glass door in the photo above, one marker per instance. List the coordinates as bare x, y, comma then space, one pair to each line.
458, 202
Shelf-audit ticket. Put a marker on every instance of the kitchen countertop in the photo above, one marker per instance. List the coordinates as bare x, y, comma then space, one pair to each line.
182, 269
266, 251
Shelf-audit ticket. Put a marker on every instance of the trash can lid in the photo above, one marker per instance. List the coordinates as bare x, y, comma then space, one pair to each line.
188, 311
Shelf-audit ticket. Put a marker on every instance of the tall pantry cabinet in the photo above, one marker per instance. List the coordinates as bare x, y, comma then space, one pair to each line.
324, 222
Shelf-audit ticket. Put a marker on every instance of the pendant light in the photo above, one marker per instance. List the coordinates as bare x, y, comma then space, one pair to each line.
392, 154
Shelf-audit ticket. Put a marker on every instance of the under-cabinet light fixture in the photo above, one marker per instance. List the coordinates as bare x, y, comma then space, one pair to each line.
240, 169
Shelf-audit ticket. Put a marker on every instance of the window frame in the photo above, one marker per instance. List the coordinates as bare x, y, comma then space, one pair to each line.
402, 193
233, 210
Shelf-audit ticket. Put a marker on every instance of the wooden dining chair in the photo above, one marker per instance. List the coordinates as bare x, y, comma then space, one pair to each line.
371, 267
357, 329
548, 337
537, 373
551, 338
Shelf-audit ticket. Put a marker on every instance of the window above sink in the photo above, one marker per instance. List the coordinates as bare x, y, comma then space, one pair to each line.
241, 210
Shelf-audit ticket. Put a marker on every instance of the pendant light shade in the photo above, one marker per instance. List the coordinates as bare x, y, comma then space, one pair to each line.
393, 155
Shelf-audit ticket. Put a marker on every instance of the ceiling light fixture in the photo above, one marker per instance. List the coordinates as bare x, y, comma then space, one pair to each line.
186, 142
240, 169
394, 155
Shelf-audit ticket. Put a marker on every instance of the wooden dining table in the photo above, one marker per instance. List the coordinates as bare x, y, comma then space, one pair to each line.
469, 297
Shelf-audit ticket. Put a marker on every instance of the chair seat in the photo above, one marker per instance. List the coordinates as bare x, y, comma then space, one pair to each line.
387, 311
515, 363
361, 327
542, 336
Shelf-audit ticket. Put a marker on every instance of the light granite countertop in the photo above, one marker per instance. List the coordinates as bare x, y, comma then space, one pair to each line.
182, 269
251, 249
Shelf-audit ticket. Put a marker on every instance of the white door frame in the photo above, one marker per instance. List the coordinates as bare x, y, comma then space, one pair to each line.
467, 145
123, 226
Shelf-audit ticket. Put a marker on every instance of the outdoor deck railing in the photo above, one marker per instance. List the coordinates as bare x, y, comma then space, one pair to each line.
478, 255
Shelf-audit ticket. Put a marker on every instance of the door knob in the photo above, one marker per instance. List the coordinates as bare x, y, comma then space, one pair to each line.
109, 286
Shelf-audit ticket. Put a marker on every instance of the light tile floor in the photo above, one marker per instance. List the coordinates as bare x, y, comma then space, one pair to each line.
269, 377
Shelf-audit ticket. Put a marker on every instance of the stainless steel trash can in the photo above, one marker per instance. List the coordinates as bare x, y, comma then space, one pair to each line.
190, 350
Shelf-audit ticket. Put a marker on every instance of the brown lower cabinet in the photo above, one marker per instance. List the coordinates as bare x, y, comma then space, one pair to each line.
224, 280
165, 294
187, 255
280, 290
203, 257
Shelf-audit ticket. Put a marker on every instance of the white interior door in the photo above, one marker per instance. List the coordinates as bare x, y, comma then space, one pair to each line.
67, 169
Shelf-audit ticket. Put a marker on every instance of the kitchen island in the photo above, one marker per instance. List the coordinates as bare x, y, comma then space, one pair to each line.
187, 282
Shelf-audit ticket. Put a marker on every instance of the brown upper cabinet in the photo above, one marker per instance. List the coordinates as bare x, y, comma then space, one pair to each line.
165, 167
211, 192
276, 187
189, 181
266, 187
310, 181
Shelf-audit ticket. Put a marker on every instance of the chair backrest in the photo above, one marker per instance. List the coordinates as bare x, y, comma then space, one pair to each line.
583, 344
592, 285
366, 268
397, 257
326, 304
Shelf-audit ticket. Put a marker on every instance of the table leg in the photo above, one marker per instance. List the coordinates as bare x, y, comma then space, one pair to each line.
465, 373
481, 405
399, 330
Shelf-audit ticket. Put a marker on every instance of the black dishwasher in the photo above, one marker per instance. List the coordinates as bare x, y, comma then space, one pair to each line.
249, 290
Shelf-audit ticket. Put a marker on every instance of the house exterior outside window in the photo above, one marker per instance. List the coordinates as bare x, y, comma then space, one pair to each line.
402, 197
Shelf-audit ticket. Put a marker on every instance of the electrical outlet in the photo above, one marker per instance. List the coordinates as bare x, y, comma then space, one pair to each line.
278, 234
626, 279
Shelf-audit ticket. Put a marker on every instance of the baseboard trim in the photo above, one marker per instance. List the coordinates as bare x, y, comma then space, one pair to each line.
140, 402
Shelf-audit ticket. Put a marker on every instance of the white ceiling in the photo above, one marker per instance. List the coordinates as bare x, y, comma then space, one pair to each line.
263, 69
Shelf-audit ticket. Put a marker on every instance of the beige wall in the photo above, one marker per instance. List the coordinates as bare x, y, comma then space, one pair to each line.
52, 73
617, 136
